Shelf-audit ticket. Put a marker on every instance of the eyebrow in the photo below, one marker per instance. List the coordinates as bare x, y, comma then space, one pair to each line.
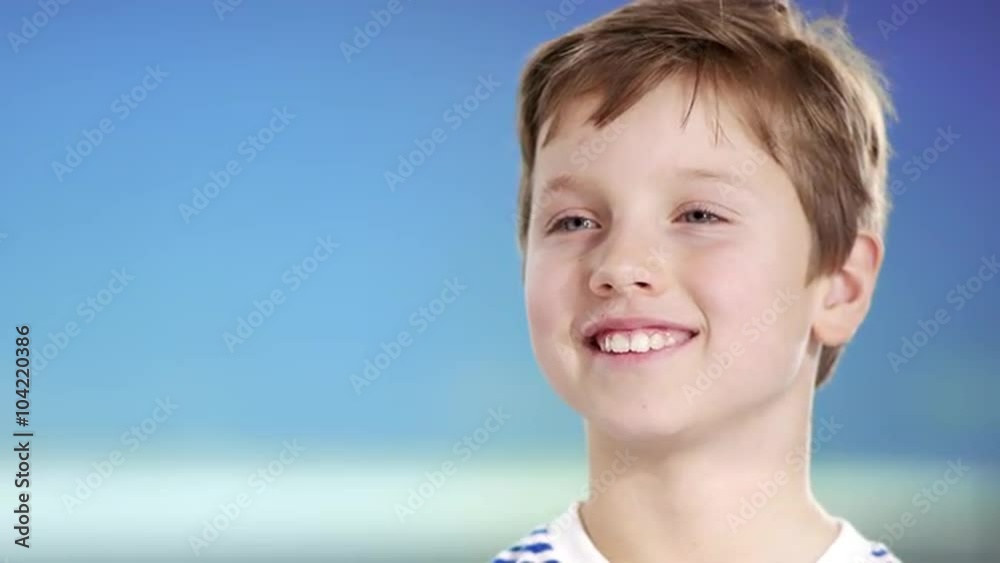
558, 183
726, 180
703, 174
566, 180
729, 176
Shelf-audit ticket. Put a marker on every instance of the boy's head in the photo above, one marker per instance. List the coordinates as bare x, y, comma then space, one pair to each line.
705, 176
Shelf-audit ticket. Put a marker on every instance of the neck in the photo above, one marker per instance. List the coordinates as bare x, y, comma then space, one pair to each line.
738, 492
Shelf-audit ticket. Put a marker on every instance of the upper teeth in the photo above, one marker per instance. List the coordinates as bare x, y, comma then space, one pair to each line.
635, 341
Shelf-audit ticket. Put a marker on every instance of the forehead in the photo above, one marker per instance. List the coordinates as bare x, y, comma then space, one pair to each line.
664, 129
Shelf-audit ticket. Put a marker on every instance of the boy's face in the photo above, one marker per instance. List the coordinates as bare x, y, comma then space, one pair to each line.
647, 235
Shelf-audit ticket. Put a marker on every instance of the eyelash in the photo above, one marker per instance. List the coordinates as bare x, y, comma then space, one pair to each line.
713, 217
559, 226
701, 208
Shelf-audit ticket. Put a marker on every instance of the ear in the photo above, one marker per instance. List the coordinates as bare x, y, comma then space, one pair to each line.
848, 292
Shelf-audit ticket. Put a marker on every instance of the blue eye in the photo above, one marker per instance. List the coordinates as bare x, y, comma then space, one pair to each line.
701, 215
572, 223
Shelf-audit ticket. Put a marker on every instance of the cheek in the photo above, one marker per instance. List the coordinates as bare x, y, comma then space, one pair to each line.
742, 292
542, 316
549, 303
754, 304
545, 296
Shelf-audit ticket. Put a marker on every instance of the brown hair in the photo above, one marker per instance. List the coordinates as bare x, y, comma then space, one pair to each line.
812, 100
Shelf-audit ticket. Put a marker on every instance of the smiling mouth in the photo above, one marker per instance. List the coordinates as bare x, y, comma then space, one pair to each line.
640, 341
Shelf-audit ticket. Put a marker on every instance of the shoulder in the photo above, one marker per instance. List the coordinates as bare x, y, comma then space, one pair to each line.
853, 547
562, 540
878, 553
537, 546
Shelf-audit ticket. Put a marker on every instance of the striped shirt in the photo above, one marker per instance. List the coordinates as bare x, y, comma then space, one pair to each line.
564, 541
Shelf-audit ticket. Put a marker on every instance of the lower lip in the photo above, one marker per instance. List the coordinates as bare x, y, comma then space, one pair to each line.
634, 358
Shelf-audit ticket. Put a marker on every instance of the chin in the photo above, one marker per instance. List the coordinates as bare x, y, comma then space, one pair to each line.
641, 422
630, 415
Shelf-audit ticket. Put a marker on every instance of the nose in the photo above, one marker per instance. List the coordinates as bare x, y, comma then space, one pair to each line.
628, 263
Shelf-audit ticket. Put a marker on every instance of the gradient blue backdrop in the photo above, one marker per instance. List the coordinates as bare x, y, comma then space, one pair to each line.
324, 176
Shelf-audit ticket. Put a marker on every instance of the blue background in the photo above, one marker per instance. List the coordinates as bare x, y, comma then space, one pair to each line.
324, 176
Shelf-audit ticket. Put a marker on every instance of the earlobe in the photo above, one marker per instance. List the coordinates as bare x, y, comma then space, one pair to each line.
849, 290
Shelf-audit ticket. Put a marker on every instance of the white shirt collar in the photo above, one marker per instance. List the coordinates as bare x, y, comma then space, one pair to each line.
849, 547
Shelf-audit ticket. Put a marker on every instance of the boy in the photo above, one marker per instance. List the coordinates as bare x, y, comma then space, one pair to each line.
702, 208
